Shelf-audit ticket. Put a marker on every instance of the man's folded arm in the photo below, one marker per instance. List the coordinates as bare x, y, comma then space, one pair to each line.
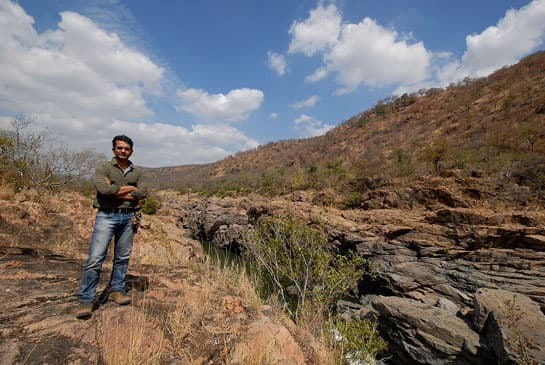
102, 183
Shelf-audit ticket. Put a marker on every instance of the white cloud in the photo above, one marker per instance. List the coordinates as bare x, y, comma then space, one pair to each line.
77, 69
156, 144
277, 62
273, 115
310, 126
317, 75
365, 53
309, 102
518, 33
236, 105
372, 55
84, 85
316, 33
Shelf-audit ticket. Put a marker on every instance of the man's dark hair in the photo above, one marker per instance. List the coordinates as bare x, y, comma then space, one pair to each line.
123, 138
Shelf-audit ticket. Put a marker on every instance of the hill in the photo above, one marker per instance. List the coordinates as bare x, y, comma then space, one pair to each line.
487, 126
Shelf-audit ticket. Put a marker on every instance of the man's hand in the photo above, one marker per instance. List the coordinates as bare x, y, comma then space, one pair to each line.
126, 196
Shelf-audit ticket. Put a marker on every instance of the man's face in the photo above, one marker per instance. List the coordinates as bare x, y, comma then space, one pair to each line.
122, 150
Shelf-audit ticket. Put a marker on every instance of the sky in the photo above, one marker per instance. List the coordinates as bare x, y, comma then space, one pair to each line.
195, 81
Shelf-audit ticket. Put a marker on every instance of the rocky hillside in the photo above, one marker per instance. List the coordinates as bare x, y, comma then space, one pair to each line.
495, 125
450, 284
185, 310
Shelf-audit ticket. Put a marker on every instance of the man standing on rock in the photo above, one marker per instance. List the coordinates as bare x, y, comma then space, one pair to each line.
119, 186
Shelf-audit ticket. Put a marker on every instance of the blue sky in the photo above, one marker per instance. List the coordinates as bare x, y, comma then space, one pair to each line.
195, 81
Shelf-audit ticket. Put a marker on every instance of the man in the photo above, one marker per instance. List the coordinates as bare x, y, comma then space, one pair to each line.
119, 186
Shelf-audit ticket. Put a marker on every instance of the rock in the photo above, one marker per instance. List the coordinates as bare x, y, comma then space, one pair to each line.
10, 351
438, 258
325, 198
511, 324
536, 242
269, 342
422, 334
447, 306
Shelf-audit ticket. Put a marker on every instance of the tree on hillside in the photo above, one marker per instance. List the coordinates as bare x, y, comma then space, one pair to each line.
27, 162
436, 152
530, 135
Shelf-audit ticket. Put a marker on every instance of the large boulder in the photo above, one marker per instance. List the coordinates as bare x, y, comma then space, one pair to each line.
422, 334
512, 325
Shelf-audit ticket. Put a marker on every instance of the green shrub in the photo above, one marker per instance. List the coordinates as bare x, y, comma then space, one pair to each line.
150, 205
358, 339
292, 263
353, 200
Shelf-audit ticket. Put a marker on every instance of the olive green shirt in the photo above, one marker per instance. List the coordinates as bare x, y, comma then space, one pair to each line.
105, 197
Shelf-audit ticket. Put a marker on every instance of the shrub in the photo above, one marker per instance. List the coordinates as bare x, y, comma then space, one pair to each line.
353, 200
150, 205
293, 264
358, 339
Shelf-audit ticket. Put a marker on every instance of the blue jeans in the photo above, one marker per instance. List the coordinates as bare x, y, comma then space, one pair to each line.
107, 225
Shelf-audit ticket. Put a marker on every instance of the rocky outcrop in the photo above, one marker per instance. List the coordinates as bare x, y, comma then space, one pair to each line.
427, 264
512, 325
424, 334
180, 313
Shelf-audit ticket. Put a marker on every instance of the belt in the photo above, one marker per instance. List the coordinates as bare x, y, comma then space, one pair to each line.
117, 210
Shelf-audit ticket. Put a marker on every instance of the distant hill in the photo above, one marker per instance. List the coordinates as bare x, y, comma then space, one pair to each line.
494, 124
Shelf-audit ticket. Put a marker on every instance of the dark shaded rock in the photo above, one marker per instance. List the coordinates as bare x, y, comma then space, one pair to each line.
512, 325
423, 334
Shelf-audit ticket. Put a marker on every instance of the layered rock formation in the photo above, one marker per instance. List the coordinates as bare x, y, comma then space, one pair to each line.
433, 269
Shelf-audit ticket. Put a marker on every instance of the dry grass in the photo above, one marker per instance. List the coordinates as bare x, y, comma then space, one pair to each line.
6, 192
209, 309
133, 338
233, 276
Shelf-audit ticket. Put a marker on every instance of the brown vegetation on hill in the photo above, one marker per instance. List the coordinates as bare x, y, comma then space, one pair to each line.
492, 127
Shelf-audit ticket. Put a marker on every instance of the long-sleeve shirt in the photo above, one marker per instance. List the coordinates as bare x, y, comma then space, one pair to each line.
117, 178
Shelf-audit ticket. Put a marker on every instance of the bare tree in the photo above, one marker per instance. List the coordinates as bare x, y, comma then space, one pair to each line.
23, 151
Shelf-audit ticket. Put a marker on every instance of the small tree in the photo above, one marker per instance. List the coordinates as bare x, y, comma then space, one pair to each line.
436, 152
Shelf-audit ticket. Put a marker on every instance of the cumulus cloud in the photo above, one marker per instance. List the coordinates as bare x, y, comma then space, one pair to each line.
77, 68
277, 62
309, 102
318, 32
518, 33
273, 115
310, 126
365, 53
234, 106
370, 54
85, 85
156, 144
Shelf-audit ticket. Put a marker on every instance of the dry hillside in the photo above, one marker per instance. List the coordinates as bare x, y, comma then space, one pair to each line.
492, 125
